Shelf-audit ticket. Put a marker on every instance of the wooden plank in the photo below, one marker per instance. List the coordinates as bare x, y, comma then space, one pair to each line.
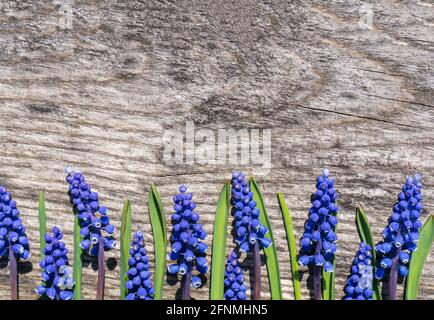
97, 85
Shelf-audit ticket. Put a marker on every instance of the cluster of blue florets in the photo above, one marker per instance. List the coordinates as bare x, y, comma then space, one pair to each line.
57, 281
318, 243
234, 279
402, 233
12, 232
92, 217
248, 229
359, 283
188, 248
139, 284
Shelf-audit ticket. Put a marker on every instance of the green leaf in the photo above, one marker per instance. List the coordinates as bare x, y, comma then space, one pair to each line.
271, 260
365, 235
158, 223
418, 258
42, 223
78, 264
125, 245
286, 214
219, 244
328, 283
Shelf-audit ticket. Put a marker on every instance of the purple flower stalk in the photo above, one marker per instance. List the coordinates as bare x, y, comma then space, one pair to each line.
318, 243
401, 235
13, 239
93, 220
250, 234
139, 284
188, 249
359, 283
234, 279
57, 281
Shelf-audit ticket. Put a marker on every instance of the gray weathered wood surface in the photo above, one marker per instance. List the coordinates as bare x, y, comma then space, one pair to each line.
96, 84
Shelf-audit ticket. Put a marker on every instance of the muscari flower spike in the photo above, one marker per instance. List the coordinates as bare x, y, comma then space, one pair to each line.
12, 232
188, 248
57, 281
248, 229
92, 217
139, 283
234, 279
359, 283
402, 233
318, 243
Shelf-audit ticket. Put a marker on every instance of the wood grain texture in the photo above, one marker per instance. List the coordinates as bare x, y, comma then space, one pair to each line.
96, 84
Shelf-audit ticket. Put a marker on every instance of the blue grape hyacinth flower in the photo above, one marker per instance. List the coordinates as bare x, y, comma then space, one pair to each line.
234, 279
400, 237
57, 281
12, 231
92, 216
248, 229
188, 249
359, 283
139, 284
318, 243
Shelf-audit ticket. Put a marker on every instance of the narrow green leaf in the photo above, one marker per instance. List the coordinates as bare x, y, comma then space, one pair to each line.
158, 223
219, 244
125, 245
78, 264
328, 283
363, 228
286, 214
365, 235
271, 260
418, 259
42, 223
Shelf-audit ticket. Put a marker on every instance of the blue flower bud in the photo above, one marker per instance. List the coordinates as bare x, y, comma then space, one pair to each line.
244, 247
265, 242
304, 260
196, 282
386, 263
404, 257
403, 271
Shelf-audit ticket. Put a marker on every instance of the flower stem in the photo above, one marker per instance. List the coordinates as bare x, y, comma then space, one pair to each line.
393, 276
13, 274
101, 271
185, 286
317, 275
256, 272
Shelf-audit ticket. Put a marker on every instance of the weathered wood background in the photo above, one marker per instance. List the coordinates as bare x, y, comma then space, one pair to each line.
96, 84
